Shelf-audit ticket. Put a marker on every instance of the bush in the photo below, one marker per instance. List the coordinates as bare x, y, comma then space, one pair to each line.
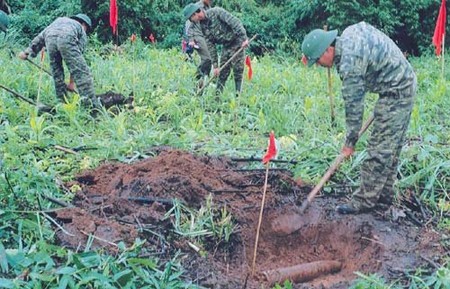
281, 25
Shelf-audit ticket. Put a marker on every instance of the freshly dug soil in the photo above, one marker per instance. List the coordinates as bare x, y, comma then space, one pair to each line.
119, 202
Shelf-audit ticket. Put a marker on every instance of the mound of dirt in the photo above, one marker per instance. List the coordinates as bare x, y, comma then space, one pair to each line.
110, 99
119, 202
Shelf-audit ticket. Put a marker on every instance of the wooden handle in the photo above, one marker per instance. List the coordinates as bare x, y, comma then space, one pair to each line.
337, 161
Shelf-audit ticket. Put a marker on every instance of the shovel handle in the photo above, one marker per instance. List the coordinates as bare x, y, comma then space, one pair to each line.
337, 162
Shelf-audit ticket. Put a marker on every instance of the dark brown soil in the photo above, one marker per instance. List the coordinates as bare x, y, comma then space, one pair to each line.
110, 99
119, 202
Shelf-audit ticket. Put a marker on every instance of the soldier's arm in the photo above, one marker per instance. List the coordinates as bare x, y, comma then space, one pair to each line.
36, 45
234, 23
213, 53
352, 72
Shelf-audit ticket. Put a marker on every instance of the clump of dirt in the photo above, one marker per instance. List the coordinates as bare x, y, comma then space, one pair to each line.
110, 99
117, 201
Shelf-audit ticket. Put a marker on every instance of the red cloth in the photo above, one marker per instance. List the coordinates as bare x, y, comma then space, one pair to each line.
248, 62
271, 149
439, 31
113, 15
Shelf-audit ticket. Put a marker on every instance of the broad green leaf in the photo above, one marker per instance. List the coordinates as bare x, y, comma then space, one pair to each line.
66, 270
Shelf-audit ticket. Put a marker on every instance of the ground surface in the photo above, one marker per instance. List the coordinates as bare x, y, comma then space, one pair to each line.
117, 203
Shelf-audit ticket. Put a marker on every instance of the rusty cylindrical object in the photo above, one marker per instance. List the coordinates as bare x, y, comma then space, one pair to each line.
303, 272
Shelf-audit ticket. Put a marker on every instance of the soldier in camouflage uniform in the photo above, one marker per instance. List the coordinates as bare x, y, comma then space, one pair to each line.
369, 61
218, 26
65, 39
195, 39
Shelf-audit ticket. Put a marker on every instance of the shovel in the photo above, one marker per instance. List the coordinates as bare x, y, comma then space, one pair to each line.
288, 224
41, 107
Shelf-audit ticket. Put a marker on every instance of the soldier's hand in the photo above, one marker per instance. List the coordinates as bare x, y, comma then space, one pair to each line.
245, 43
71, 87
22, 55
347, 151
216, 71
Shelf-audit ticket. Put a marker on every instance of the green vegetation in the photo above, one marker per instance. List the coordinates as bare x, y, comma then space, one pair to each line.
283, 96
280, 24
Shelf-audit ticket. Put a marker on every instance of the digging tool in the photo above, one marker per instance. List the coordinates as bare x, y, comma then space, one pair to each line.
38, 66
288, 224
200, 91
42, 107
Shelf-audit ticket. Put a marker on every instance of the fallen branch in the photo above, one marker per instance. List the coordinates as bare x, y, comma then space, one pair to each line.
150, 200
303, 272
258, 170
66, 150
56, 224
57, 201
253, 159
42, 107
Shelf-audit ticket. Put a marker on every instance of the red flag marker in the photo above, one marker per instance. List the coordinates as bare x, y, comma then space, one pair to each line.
113, 15
248, 62
439, 30
271, 149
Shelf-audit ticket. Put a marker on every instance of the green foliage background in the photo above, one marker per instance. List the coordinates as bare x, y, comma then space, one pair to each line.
281, 24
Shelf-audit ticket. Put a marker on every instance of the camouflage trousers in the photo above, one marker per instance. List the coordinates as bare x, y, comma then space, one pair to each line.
63, 48
379, 169
237, 64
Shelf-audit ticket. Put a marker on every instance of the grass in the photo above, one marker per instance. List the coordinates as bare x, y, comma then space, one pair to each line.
283, 96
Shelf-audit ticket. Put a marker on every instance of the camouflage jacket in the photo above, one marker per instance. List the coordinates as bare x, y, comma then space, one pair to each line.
61, 27
191, 29
221, 27
368, 61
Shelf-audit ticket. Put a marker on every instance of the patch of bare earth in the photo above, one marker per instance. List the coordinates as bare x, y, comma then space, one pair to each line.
119, 202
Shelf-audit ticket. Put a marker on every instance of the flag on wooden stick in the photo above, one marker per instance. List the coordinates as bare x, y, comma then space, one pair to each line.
113, 15
439, 31
272, 149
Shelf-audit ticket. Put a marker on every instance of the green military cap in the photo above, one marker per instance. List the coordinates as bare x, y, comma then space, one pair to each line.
190, 9
84, 18
316, 43
4, 21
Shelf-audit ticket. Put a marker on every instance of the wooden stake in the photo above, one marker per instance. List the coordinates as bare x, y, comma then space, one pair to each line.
330, 91
443, 55
260, 219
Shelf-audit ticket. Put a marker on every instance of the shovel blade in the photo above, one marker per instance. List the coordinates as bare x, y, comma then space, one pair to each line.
291, 222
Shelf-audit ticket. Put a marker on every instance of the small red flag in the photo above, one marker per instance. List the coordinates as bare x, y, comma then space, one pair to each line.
151, 38
113, 15
271, 149
248, 62
439, 31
